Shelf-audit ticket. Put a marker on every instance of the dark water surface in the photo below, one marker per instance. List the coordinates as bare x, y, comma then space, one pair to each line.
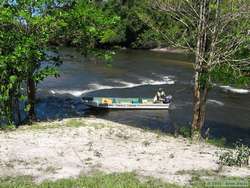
141, 73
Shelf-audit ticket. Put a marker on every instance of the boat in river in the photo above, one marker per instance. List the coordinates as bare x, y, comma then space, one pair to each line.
126, 103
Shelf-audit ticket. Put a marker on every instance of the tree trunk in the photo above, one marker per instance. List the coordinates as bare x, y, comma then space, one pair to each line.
10, 113
199, 108
31, 92
200, 89
16, 111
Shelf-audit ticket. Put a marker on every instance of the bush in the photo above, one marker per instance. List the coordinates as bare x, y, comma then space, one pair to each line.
185, 132
238, 157
6, 127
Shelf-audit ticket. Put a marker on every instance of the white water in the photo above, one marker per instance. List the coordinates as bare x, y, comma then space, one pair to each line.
122, 84
212, 101
235, 90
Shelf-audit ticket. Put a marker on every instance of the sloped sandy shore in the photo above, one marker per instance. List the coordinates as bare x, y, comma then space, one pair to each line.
80, 146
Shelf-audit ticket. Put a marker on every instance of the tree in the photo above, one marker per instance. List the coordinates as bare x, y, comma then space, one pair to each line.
27, 30
219, 40
24, 61
90, 28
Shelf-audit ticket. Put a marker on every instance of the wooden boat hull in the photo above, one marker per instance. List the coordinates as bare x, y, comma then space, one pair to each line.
95, 103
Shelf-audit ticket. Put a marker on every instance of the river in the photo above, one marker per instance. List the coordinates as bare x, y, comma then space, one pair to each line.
136, 73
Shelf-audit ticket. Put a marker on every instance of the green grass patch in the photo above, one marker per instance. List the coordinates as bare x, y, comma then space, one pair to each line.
211, 179
75, 123
58, 124
7, 127
42, 126
219, 142
123, 180
197, 172
219, 182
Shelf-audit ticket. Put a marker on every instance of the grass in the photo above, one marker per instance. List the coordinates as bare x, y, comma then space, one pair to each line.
219, 142
121, 180
74, 122
198, 173
211, 179
219, 182
68, 123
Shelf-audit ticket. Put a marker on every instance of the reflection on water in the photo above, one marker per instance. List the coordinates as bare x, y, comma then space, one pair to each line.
140, 73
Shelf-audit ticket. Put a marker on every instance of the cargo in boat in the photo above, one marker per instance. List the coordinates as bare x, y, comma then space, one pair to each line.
127, 103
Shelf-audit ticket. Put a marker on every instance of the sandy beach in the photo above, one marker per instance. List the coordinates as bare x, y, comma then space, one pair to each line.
74, 147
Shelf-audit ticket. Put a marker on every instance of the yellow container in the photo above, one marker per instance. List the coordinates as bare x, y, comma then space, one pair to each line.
106, 101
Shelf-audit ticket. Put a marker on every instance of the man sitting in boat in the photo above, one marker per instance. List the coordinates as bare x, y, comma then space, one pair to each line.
160, 96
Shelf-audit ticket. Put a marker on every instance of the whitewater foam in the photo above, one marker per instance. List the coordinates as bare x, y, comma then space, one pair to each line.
122, 85
212, 101
235, 90
75, 93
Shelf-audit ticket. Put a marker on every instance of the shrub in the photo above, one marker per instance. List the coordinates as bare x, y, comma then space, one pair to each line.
238, 157
185, 131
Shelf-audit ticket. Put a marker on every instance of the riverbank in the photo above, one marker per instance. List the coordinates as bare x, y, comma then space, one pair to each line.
73, 147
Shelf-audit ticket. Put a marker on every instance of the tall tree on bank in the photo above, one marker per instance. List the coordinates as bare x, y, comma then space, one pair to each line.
27, 28
217, 32
24, 61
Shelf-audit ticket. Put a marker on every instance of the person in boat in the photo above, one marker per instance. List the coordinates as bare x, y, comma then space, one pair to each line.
160, 96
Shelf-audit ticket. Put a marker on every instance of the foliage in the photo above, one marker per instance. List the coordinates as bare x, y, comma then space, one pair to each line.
185, 131
131, 26
88, 27
226, 74
27, 30
24, 38
217, 32
238, 157
136, 30
227, 51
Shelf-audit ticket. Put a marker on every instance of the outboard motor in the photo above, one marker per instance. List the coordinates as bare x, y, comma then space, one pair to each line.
167, 99
87, 99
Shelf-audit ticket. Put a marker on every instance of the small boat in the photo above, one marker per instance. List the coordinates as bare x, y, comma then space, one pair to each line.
126, 103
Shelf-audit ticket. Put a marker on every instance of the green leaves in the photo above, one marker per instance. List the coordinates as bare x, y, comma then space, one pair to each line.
29, 27
24, 38
44, 73
238, 157
12, 79
227, 74
87, 26
108, 36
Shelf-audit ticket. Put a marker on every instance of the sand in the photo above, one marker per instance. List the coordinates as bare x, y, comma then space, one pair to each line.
92, 144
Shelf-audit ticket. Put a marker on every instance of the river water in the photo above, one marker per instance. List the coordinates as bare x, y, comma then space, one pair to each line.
136, 73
